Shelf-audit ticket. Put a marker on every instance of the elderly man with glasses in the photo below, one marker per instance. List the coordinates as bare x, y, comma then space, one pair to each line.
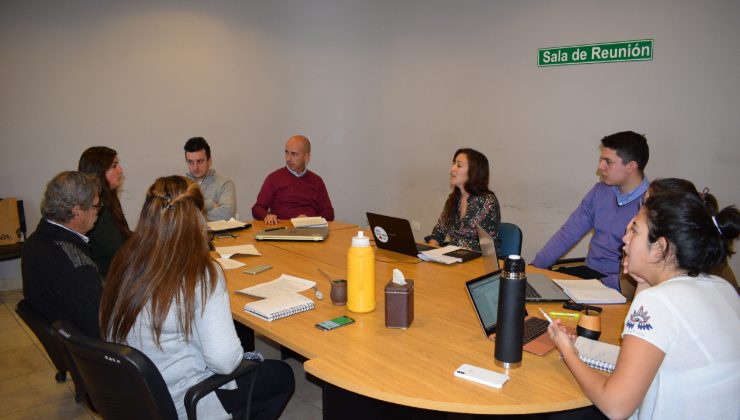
60, 279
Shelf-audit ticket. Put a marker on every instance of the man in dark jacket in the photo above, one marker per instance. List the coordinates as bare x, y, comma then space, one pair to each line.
60, 279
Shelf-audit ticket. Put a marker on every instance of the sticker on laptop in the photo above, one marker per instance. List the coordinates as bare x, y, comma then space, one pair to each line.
380, 234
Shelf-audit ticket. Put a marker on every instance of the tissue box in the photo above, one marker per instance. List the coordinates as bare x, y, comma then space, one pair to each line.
399, 304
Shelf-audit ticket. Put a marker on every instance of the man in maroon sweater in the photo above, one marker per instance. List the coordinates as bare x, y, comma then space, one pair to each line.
293, 191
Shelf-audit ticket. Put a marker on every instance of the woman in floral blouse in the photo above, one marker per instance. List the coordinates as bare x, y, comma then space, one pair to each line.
470, 202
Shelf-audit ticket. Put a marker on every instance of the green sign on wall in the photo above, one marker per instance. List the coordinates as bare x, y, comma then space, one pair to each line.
605, 52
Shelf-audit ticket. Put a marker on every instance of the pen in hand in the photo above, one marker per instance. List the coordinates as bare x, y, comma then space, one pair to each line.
546, 316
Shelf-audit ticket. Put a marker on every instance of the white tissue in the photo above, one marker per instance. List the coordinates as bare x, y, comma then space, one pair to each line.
398, 277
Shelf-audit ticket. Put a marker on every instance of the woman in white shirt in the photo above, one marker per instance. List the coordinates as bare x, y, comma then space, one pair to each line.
166, 297
680, 355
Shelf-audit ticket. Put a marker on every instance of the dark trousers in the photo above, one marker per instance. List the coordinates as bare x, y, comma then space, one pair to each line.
272, 391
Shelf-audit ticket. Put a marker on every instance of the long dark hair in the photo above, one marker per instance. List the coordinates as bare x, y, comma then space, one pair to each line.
96, 161
701, 242
477, 183
163, 263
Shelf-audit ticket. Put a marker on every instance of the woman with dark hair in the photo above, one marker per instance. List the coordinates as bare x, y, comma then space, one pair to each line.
678, 184
471, 202
166, 297
111, 229
680, 342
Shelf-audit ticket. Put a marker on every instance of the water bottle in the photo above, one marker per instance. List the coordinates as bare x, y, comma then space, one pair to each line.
510, 324
361, 275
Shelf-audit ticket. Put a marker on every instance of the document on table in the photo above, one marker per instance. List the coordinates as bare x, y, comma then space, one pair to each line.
309, 222
219, 225
229, 251
438, 255
228, 264
281, 285
590, 291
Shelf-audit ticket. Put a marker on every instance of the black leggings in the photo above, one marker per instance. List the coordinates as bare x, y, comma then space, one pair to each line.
272, 391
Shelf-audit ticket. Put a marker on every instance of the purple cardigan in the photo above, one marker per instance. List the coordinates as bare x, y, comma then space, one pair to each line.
598, 211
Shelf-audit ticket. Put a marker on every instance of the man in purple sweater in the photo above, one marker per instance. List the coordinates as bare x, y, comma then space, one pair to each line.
606, 209
293, 191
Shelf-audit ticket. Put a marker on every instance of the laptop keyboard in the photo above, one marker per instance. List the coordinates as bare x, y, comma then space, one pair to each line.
533, 328
531, 294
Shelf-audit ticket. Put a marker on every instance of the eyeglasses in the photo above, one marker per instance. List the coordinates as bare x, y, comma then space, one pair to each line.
98, 207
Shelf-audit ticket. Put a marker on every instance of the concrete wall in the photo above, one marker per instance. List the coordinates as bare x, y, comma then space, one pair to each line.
386, 90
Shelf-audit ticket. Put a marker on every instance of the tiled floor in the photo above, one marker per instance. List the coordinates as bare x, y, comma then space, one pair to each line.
28, 389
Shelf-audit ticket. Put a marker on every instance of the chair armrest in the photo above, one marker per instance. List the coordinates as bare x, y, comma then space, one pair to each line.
568, 261
210, 384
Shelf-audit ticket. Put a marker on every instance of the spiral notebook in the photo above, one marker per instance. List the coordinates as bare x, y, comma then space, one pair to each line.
279, 306
598, 355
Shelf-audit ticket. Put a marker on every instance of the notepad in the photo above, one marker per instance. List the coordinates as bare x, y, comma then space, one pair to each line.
598, 355
280, 306
590, 291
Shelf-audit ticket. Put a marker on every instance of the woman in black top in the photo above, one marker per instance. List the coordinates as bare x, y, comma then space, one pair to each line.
111, 229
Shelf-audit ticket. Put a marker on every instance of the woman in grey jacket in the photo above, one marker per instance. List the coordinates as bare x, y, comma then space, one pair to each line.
166, 297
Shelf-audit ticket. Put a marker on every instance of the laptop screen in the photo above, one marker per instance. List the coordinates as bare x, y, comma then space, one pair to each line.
483, 291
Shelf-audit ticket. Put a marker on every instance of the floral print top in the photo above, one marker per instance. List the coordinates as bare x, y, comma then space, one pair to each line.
483, 210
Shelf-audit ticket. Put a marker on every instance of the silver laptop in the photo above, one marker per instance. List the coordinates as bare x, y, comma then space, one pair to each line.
487, 250
539, 287
292, 234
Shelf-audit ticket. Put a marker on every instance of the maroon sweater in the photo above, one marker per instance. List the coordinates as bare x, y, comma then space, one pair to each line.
286, 196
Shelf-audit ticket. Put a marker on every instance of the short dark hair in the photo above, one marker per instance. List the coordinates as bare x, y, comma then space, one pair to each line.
629, 146
198, 143
701, 242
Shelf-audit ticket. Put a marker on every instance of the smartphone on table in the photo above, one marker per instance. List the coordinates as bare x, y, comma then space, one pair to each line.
334, 323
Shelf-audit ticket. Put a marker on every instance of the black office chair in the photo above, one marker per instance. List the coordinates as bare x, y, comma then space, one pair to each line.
511, 239
123, 383
13, 251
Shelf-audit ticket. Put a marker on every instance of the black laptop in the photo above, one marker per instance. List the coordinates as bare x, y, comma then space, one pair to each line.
394, 234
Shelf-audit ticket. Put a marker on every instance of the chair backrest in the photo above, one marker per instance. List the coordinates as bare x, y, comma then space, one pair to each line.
46, 335
54, 347
511, 239
122, 382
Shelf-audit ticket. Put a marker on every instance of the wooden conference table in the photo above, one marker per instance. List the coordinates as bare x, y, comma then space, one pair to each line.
411, 367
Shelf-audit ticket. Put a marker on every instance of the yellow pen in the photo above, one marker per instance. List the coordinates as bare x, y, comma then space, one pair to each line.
575, 315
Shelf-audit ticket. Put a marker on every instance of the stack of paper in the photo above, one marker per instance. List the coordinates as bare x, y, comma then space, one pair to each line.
227, 252
438, 255
590, 291
221, 225
309, 222
284, 284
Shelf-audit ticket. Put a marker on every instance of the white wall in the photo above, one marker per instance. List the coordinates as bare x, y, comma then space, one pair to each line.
386, 90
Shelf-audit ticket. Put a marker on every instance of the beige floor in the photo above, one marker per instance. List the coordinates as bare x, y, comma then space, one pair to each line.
28, 389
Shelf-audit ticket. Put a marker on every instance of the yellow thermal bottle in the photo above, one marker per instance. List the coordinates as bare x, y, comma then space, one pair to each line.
361, 275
